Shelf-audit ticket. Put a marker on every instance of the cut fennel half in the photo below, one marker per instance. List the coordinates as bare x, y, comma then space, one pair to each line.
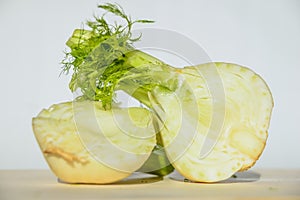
221, 108
83, 143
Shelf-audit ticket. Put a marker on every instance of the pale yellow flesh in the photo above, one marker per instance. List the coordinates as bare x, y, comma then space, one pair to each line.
244, 116
77, 138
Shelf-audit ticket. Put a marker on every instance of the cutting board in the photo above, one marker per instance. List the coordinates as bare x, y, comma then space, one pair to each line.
253, 184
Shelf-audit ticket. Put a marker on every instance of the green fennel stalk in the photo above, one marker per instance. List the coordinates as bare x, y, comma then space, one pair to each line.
104, 60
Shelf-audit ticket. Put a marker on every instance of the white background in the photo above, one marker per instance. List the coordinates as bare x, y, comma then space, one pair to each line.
263, 35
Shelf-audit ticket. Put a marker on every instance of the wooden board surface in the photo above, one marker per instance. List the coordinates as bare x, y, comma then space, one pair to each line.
256, 184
